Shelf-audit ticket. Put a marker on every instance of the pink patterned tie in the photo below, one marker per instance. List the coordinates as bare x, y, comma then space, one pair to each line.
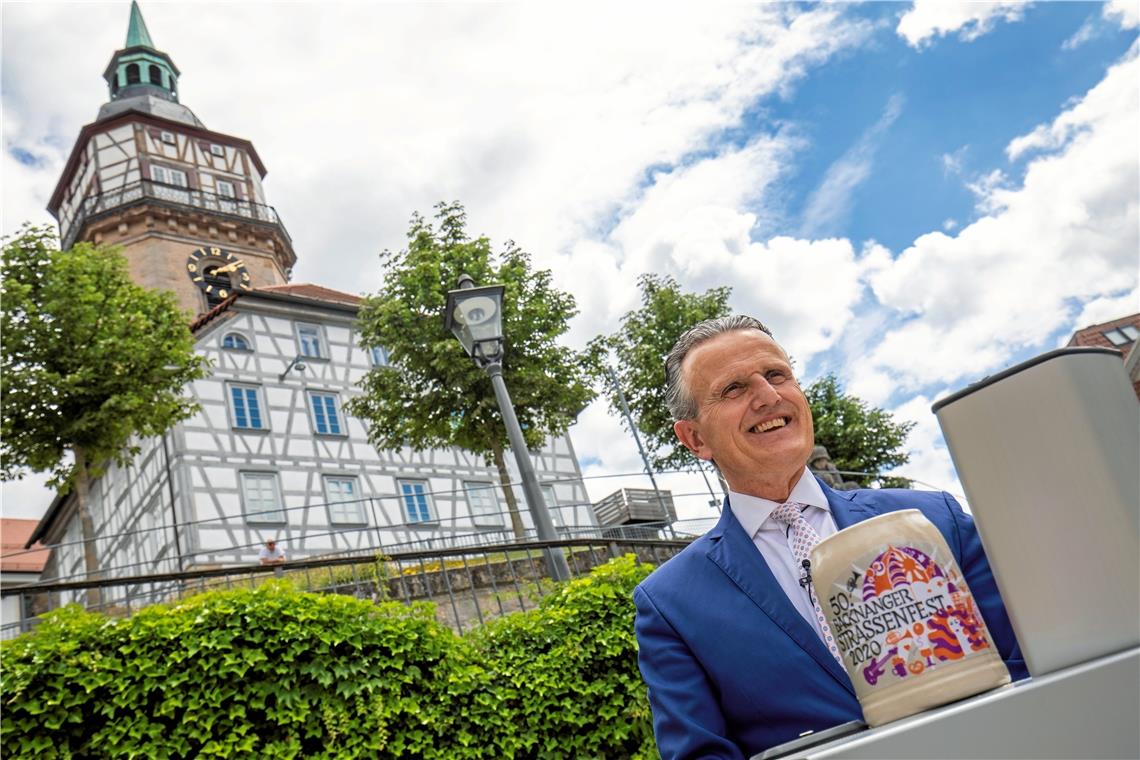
802, 539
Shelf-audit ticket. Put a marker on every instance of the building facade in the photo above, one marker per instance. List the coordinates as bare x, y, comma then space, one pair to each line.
1122, 334
271, 453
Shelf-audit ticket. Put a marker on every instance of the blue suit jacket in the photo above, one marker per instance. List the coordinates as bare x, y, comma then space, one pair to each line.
732, 668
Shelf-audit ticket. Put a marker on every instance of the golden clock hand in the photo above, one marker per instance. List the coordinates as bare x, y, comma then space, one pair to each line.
229, 267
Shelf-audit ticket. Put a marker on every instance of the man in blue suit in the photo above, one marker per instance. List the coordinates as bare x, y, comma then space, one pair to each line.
729, 644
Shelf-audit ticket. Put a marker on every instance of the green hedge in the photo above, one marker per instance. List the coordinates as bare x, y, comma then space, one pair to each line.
279, 672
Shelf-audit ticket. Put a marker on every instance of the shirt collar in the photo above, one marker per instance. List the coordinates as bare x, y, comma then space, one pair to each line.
753, 511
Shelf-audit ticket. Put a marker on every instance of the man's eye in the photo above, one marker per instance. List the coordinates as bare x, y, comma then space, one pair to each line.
732, 389
776, 376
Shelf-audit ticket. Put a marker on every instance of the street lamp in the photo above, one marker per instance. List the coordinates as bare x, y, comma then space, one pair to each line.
475, 316
297, 364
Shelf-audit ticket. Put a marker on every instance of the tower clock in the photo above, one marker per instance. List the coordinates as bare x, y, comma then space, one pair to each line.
218, 273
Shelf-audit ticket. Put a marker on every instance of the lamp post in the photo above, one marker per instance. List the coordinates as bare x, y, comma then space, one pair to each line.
475, 316
636, 438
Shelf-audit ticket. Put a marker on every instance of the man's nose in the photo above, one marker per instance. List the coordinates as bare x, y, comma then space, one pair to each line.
763, 394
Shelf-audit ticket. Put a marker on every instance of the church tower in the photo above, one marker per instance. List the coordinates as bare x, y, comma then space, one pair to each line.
185, 204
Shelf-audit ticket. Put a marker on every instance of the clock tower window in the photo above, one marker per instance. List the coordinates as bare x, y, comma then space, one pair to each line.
220, 286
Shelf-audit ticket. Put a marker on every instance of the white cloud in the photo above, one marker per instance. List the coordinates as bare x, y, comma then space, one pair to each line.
927, 19
559, 129
1124, 12
1104, 102
832, 202
691, 224
1084, 33
952, 163
930, 464
1069, 233
1105, 309
28, 498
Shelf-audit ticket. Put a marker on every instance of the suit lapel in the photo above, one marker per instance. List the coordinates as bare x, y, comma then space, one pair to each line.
845, 510
738, 558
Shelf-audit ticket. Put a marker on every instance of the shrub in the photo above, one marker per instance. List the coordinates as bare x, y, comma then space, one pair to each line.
231, 673
275, 671
567, 672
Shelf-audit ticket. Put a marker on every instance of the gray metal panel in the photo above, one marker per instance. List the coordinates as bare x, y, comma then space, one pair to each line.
1048, 454
1088, 711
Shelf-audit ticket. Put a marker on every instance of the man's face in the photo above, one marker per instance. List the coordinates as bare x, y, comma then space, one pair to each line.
270, 545
752, 418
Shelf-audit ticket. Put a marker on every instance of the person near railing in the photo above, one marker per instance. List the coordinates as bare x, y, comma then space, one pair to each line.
730, 641
271, 553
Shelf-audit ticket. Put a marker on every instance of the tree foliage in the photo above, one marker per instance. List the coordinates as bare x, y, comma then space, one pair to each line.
277, 672
646, 336
859, 438
433, 395
89, 359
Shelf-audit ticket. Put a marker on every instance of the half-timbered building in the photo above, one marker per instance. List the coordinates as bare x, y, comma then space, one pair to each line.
271, 453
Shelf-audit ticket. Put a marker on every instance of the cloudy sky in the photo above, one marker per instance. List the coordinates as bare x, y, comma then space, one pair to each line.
911, 195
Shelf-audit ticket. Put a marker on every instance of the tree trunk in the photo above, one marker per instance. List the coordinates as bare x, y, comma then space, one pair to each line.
86, 527
508, 491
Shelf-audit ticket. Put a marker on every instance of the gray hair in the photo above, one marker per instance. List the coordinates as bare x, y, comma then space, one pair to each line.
677, 397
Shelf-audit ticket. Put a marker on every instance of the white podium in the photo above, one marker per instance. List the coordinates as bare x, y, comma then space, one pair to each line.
1090, 710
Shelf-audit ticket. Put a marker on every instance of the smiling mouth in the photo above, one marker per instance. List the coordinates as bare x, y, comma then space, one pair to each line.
772, 424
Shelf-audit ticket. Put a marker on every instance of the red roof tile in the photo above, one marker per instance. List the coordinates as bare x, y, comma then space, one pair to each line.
14, 533
315, 292
204, 319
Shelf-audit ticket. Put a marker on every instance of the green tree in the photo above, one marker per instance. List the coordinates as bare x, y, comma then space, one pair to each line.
859, 438
90, 360
432, 395
640, 345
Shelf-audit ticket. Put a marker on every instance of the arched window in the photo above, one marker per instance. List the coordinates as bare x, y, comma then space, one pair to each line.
155, 75
236, 342
133, 74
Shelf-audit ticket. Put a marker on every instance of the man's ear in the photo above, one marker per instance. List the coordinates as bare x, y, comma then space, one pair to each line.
689, 433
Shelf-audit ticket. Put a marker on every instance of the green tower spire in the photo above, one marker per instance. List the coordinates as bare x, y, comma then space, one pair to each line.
140, 68
137, 34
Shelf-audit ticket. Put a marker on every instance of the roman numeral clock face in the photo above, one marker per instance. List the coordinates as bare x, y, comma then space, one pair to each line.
217, 272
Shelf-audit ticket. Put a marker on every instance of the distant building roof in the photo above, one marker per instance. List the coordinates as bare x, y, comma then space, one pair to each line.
1121, 334
303, 291
14, 533
1109, 334
313, 292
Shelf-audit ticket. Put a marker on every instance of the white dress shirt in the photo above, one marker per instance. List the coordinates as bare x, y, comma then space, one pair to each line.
771, 538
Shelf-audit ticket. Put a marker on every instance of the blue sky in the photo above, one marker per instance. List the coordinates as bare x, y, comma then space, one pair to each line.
913, 195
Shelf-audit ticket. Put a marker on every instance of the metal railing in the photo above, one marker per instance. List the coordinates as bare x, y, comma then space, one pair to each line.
372, 535
144, 191
468, 585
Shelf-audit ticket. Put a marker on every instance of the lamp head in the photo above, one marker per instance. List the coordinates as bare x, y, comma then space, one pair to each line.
475, 316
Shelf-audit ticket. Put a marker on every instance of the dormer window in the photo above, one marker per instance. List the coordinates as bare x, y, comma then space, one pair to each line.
1122, 336
235, 342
